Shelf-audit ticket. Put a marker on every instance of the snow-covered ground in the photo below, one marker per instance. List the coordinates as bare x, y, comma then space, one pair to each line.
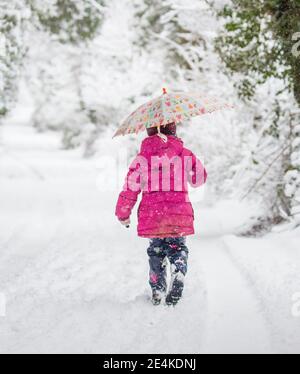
74, 280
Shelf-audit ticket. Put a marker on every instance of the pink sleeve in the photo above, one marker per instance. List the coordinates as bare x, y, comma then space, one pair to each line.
196, 172
129, 194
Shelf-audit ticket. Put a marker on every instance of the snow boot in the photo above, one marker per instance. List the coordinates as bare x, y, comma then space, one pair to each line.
156, 297
176, 290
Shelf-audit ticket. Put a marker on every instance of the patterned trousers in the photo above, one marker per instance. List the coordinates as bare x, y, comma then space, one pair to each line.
176, 252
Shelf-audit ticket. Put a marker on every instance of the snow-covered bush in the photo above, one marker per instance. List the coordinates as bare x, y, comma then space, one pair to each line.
256, 44
292, 176
13, 14
70, 21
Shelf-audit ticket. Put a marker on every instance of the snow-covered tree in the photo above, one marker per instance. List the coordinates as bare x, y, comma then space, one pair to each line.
61, 35
256, 46
258, 42
172, 28
13, 13
71, 21
292, 175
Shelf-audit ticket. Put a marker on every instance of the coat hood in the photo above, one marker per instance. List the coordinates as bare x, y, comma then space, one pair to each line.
155, 146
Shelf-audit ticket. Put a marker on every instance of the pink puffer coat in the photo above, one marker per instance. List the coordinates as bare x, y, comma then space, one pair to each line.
165, 209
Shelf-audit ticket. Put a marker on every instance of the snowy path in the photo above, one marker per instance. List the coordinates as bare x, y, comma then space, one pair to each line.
76, 281
234, 323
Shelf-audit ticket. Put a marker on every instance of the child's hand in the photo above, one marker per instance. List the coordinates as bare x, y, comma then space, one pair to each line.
125, 222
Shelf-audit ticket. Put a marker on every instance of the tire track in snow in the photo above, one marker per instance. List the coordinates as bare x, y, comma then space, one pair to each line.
235, 323
246, 274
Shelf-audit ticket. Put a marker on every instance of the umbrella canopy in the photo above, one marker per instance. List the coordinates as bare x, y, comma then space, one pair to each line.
169, 107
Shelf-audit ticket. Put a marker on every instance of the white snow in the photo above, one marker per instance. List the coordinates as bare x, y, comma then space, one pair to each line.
74, 280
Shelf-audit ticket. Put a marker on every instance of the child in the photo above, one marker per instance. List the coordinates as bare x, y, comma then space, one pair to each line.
161, 171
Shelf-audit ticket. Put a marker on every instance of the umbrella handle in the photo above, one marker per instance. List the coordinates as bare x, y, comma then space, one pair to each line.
162, 136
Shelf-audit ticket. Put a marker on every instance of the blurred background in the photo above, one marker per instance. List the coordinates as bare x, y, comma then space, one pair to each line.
78, 67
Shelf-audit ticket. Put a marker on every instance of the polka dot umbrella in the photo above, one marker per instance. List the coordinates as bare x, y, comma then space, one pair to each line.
169, 107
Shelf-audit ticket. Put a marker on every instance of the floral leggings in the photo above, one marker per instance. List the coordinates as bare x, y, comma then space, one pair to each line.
177, 253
